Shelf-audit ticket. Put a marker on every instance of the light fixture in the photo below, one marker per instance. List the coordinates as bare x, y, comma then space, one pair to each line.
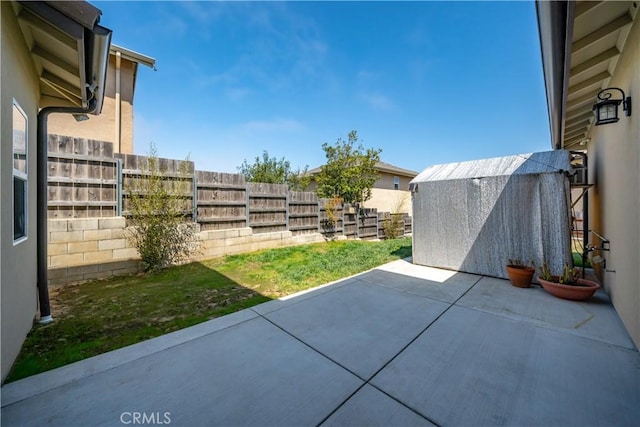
80, 117
607, 109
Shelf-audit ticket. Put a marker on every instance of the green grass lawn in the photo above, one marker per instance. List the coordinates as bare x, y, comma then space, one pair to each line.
103, 315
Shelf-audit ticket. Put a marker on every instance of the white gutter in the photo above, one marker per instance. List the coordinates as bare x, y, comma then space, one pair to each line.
555, 28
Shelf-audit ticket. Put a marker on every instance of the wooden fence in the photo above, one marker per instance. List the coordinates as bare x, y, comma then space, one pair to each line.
86, 180
82, 178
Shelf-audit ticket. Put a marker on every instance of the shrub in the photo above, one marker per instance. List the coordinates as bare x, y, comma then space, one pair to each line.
393, 226
159, 217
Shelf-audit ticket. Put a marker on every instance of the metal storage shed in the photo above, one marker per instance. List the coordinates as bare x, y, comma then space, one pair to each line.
474, 216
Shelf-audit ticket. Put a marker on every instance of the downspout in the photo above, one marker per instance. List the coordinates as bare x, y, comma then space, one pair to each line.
41, 208
118, 143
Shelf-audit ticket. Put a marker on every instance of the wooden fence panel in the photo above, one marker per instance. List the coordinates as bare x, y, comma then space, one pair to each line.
81, 178
177, 178
84, 176
408, 224
327, 227
303, 212
368, 224
350, 221
222, 200
267, 207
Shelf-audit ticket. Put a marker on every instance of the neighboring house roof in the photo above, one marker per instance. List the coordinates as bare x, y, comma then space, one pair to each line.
580, 44
69, 50
381, 167
134, 57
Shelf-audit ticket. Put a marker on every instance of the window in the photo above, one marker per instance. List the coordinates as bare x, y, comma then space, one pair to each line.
19, 173
396, 183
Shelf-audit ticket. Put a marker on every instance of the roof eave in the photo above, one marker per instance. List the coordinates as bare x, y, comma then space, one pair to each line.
77, 23
133, 56
555, 29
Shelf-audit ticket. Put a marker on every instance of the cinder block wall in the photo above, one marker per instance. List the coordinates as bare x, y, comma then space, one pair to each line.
94, 248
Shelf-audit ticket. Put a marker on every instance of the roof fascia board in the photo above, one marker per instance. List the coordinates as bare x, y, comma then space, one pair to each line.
81, 12
555, 30
133, 56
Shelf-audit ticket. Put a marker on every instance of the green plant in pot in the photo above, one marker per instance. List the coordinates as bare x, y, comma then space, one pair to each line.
520, 274
568, 285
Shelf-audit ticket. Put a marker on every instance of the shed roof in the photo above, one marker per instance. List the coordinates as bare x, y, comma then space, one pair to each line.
519, 164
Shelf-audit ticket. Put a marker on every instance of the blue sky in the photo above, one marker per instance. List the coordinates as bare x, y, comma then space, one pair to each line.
427, 82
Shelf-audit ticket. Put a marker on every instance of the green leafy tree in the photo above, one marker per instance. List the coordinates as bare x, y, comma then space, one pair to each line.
160, 225
273, 171
349, 172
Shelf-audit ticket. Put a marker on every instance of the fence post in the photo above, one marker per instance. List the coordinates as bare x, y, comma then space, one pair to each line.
246, 202
119, 187
287, 213
195, 198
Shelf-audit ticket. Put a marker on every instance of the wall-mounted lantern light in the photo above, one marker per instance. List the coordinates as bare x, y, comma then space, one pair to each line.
607, 109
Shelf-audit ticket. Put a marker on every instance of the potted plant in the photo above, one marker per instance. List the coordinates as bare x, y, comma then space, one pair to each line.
520, 275
568, 285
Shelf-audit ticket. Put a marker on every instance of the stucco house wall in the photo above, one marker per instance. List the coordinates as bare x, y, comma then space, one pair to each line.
18, 261
384, 196
614, 201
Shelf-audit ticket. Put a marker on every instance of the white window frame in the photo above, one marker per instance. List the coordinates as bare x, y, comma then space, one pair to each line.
19, 174
396, 182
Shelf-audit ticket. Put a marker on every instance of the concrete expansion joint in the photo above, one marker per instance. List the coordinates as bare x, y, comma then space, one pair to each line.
365, 381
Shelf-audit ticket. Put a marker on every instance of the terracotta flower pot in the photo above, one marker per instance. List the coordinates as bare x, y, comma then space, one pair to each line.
520, 275
580, 292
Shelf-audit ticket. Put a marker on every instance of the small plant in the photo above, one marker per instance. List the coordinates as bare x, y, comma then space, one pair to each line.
332, 206
569, 275
393, 226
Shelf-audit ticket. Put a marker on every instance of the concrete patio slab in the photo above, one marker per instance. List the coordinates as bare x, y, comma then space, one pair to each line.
495, 356
360, 326
370, 407
442, 285
594, 318
31, 386
299, 297
248, 374
476, 368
